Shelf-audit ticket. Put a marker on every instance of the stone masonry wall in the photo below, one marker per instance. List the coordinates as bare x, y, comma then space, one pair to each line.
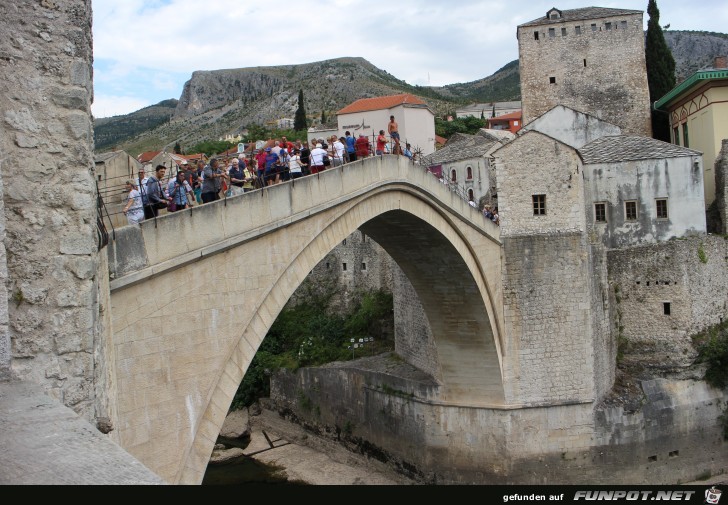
46, 160
600, 72
414, 342
547, 309
689, 275
4, 330
356, 265
721, 186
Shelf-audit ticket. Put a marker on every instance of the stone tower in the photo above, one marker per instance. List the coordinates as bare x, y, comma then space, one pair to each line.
590, 59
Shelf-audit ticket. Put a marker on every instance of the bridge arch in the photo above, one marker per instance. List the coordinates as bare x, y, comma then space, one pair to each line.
453, 265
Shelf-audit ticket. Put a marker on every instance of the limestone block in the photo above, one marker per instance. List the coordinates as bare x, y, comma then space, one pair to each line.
79, 243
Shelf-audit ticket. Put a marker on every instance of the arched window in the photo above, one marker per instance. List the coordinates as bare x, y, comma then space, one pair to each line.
471, 197
453, 175
470, 173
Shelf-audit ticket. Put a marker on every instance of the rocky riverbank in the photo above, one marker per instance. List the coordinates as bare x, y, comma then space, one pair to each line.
258, 441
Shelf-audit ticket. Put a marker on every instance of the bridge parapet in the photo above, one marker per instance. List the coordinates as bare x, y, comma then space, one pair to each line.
172, 240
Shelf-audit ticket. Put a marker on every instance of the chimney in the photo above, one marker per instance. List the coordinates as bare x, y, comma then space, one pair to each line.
720, 62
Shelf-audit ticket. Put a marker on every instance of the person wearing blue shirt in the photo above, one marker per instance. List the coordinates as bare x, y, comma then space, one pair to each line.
350, 150
407, 151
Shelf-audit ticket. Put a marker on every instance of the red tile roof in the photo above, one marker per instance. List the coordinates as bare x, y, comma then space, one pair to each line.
511, 115
440, 140
381, 102
147, 156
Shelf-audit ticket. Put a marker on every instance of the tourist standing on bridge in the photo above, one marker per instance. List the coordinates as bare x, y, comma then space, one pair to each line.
317, 159
362, 146
180, 192
350, 146
156, 199
212, 184
133, 209
381, 143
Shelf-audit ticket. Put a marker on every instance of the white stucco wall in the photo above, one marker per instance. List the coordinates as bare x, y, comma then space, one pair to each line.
680, 180
572, 127
416, 125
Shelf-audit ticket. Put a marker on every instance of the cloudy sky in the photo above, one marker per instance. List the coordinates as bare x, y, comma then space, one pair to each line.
145, 50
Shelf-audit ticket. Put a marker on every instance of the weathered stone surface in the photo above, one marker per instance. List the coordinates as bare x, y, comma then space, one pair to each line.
236, 425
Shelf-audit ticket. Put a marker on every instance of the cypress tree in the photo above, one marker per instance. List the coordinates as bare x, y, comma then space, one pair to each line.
323, 117
299, 120
660, 70
177, 148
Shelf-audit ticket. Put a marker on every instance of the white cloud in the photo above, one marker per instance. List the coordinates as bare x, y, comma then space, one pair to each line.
411, 39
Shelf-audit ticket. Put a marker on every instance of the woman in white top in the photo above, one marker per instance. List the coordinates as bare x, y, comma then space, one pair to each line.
336, 151
294, 164
133, 209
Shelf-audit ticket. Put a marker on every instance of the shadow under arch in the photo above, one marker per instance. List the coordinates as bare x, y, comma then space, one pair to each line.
444, 272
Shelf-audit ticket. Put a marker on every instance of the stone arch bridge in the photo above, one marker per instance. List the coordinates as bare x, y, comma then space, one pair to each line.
194, 293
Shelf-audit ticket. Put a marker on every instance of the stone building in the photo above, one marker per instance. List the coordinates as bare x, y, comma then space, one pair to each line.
698, 114
464, 162
590, 59
113, 169
369, 115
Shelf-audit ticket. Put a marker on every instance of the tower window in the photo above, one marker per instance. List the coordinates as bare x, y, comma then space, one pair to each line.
552, 32
661, 207
630, 210
600, 212
471, 197
469, 173
535, 35
344, 266
453, 175
594, 27
623, 24
539, 205
552, 80
563, 32
666, 308
608, 26
577, 30
584, 62
363, 266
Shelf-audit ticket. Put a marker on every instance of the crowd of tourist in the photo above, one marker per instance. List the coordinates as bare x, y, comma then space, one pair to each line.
280, 161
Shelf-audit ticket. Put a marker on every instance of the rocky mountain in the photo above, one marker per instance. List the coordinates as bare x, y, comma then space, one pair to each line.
109, 131
220, 102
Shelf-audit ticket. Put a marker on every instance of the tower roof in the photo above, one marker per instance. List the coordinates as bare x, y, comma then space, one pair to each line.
579, 15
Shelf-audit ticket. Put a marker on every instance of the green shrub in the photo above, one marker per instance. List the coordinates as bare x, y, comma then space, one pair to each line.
701, 254
308, 334
713, 351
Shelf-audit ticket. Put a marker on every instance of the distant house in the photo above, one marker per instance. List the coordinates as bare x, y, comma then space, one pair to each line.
320, 131
147, 157
486, 110
112, 170
464, 163
369, 115
698, 109
511, 122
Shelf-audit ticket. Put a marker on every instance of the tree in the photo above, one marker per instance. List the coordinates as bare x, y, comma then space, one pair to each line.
299, 120
323, 117
660, 70
177, 148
